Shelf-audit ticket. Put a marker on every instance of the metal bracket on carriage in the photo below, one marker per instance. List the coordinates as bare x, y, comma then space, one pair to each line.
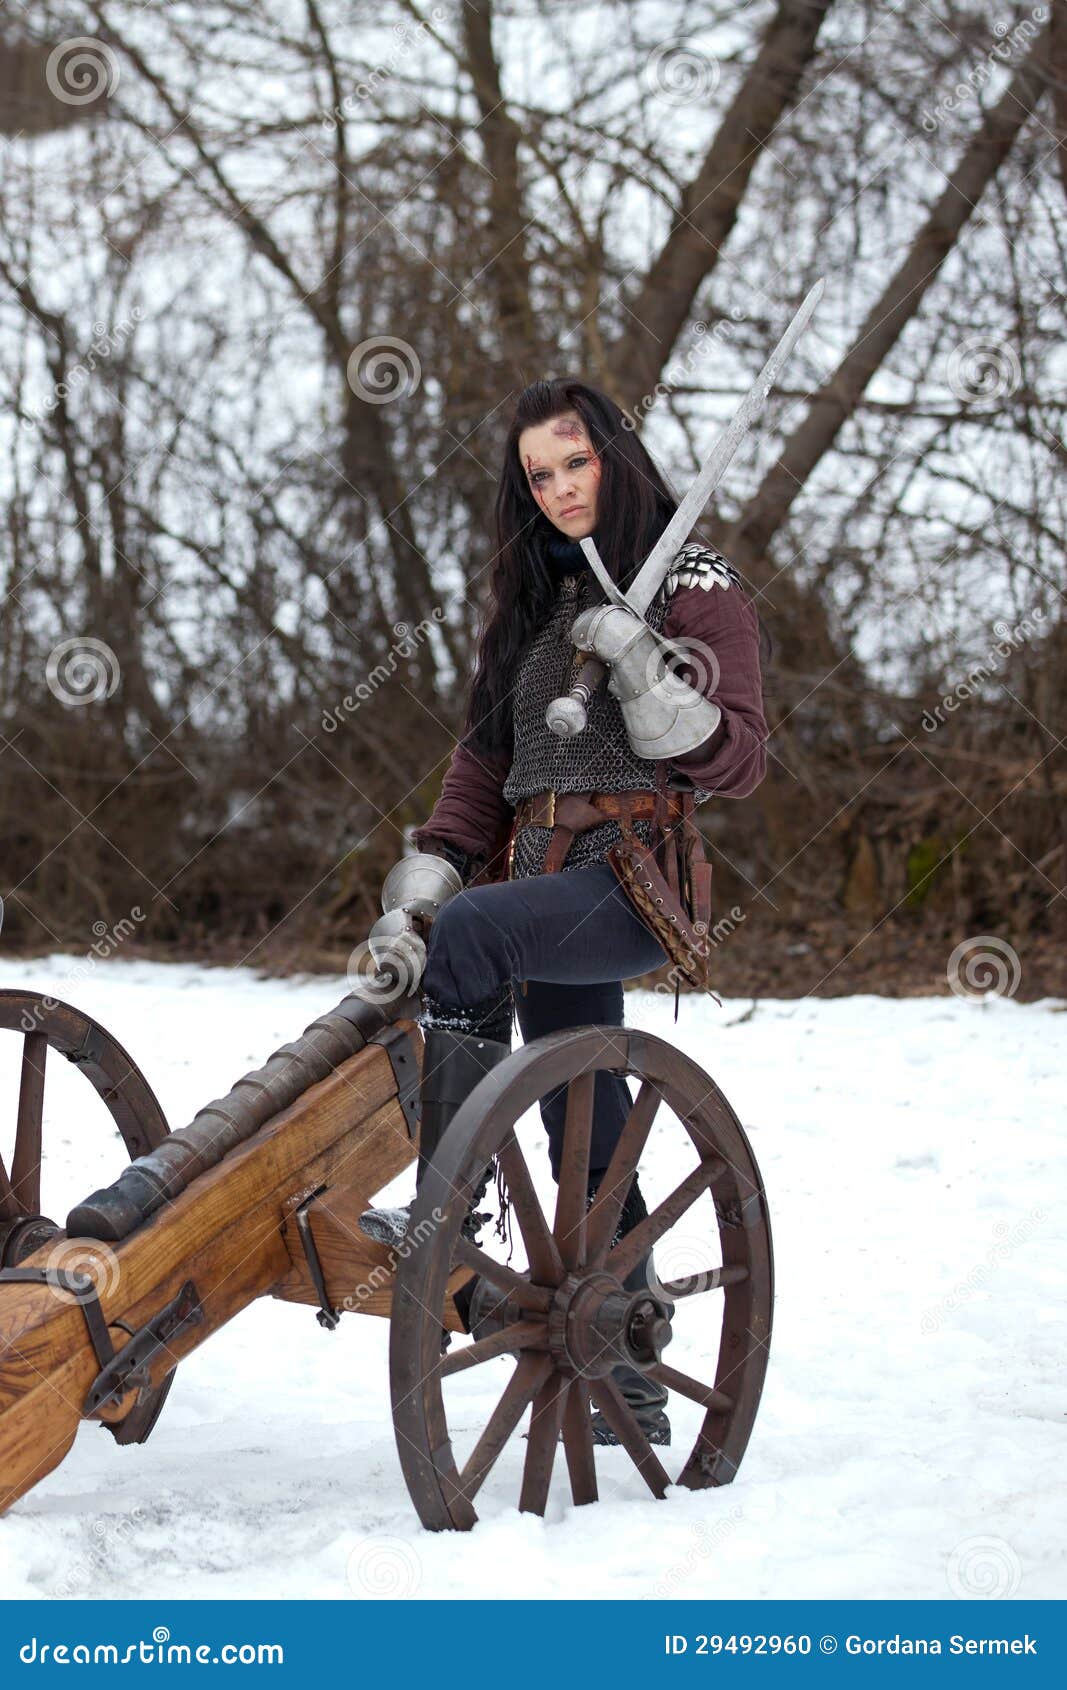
327, 1315
128, 1369
398, 1045
336, 1268
81, 1287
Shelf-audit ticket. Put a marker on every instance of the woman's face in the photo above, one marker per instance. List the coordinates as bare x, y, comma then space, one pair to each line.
562, 472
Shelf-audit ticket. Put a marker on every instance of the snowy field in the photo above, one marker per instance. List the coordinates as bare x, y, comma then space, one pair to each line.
911, 1439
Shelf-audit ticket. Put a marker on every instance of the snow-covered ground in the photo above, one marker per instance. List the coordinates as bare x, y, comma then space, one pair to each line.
911, 1439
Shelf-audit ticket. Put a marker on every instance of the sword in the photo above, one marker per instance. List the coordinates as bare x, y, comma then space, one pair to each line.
567, 716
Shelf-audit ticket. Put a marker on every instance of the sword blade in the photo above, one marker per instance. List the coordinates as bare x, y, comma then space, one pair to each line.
650, 576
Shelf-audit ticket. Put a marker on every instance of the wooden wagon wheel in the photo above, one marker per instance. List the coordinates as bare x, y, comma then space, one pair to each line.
47, 1023
567, 1320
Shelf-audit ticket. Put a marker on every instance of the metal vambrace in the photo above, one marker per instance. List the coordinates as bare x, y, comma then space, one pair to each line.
665, 716
413, 892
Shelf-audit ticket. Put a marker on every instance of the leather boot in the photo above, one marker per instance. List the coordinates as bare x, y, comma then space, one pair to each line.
453, 1063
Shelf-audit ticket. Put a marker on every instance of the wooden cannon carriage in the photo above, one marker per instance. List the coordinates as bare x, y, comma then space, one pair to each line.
261, 1193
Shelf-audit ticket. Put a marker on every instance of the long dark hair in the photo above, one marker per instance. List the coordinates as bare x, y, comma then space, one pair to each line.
634, 505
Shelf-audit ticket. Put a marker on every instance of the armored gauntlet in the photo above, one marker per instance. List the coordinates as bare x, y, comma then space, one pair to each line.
413, 892
664, 715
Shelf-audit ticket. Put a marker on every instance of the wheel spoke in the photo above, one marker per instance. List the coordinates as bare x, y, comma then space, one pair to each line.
26, 1162
578, 1444
706, 1395
523, 1386
545, 1422
571, 1202
707, 1279
611, 1194
637, 1243
612, 1405
520, 1335
537, 1298
546, 1268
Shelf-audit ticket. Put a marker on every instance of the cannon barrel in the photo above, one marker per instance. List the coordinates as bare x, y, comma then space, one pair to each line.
233, 1208
156, 1178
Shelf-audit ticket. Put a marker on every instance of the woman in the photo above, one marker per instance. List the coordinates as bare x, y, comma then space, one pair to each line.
542, 907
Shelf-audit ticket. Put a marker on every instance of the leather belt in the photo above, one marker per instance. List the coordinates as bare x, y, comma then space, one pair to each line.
568, 813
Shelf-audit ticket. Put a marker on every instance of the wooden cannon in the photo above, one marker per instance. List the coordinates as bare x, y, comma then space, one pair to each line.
260, 1195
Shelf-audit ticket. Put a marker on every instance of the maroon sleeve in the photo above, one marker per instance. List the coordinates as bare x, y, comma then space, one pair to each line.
720, 626
472, 811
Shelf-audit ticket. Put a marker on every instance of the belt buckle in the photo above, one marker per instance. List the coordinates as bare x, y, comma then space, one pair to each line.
551, 809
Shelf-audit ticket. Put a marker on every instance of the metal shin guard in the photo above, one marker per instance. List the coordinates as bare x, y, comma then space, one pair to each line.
452, 1064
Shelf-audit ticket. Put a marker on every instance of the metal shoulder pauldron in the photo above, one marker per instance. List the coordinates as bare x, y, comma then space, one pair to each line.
700, 566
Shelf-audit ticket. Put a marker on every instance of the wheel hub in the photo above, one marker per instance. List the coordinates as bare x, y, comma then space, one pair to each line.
19, 1239
594, 1325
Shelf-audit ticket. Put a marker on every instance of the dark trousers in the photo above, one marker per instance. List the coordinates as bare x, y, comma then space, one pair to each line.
567, 941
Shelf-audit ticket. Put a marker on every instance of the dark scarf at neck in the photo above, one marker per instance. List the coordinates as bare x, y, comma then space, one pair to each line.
563, 556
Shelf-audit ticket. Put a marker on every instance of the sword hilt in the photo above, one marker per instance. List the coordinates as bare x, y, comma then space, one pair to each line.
566, 716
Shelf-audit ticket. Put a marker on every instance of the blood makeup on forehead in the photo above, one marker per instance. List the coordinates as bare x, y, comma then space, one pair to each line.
570, 430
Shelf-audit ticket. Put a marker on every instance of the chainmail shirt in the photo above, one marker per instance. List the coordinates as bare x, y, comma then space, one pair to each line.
600, 759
